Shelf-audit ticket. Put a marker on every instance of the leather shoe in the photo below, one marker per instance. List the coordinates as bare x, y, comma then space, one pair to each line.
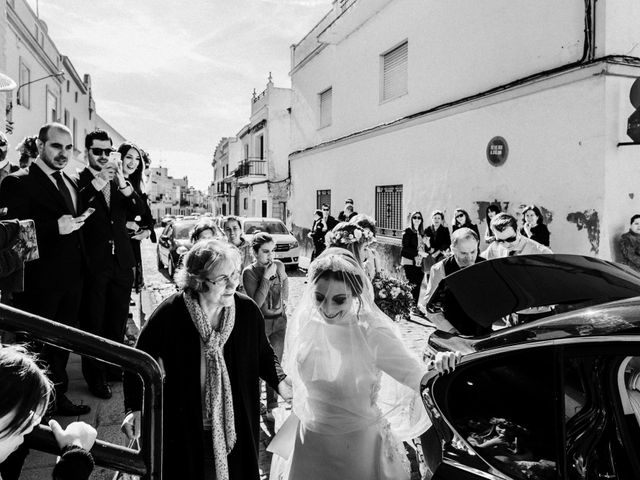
66, 408
101, 390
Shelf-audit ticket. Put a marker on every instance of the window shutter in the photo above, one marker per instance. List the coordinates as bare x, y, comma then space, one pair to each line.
326, 99
394, 72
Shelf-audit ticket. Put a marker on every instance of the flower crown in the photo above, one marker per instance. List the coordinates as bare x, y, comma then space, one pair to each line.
344, 237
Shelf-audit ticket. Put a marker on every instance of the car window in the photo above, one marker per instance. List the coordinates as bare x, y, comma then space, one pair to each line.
269, 227
600, 438
511, 421
183, 230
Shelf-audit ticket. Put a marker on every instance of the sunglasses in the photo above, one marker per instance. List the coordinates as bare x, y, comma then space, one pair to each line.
507, 240
460, 215
98, 152
325, 209
416, 218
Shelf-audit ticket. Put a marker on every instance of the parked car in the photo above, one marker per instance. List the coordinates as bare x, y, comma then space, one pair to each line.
167, 219
287, 248
555, 398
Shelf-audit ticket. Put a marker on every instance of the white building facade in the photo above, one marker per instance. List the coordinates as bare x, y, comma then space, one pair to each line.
49, 87
407, 105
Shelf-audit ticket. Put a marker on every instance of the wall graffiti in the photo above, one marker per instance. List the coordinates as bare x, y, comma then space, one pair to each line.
589, 221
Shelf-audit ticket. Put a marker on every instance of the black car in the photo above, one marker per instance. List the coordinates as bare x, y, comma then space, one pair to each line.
174, 242
555, 398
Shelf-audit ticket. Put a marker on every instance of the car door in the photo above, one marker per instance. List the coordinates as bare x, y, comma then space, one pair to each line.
164, 244
496, 417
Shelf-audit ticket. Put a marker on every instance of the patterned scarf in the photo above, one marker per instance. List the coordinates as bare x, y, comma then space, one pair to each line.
219, 401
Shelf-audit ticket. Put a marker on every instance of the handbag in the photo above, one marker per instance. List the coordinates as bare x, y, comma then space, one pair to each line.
134, 443
427, 263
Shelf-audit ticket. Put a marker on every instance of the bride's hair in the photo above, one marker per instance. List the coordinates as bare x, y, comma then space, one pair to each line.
338, 264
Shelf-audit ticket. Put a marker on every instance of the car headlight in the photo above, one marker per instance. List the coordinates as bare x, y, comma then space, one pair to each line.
293, 244
181, 250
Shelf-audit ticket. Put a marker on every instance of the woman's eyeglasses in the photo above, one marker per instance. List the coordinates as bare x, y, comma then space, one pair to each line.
223, 279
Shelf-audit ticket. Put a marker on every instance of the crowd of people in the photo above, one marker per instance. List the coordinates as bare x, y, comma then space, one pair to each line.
88, 228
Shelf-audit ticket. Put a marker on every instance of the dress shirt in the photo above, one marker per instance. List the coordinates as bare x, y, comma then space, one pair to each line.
50, 171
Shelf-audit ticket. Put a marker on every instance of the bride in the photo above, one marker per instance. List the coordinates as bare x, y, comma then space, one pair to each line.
355, 384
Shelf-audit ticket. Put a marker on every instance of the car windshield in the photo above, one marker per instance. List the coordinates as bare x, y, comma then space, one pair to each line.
268, 227
183, 229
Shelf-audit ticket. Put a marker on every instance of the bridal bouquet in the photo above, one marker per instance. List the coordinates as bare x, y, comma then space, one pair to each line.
392, 296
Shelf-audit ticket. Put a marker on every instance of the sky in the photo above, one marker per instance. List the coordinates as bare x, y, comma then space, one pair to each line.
175, 77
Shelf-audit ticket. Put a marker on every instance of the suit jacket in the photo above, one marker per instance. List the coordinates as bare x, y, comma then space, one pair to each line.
33, 195
105, 230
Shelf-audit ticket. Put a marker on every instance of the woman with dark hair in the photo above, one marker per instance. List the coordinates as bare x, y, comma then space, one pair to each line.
356, 386
461, 219
25, 393
413, 251
439, 236
213, 347
141, 226
370, 262
28, 150
533, 226
266, 282
205, 229
492, 211
630, 244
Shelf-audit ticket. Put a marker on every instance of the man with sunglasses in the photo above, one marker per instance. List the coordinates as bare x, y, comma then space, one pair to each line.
509, 241
109, 279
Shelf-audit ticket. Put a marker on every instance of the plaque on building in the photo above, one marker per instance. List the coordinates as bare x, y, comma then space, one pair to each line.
497, 151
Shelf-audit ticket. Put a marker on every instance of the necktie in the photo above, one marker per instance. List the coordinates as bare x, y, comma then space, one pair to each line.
66, 195
106, 191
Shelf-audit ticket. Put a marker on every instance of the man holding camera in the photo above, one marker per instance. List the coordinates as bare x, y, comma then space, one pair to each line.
105, 302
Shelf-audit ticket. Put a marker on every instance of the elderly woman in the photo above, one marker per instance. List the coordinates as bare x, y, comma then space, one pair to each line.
212, 345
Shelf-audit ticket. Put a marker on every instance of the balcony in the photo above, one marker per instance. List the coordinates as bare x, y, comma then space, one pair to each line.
251, 169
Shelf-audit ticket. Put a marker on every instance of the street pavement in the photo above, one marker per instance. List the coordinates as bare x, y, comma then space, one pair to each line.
107, 415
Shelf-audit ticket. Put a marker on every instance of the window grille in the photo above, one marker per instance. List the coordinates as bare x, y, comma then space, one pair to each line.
394, 72
326, 101
323, 196
389, 210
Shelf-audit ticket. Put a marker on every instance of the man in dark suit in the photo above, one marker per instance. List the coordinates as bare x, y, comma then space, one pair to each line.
105, 302
53, 282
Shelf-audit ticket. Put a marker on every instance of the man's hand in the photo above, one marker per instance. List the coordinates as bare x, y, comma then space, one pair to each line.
107, 173
285, 389
80, 434
68, 224
131, 425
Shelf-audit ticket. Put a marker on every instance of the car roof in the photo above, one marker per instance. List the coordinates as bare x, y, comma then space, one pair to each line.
260, 219
489, 290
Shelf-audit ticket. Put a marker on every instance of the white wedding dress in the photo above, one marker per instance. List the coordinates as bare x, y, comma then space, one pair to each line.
355, 390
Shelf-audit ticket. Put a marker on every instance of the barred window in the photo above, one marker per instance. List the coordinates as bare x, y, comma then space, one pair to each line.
326, 100
394, 72
389, 210
323, 196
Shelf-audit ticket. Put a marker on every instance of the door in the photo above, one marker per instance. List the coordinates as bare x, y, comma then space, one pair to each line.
264, 209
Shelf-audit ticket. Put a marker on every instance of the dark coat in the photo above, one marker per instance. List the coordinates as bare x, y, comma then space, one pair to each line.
471, 226
410, 244
106, 228
439, 239
539, 233
61, 259
170, 335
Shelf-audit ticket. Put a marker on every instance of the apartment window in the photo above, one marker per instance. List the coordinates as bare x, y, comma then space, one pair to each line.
74, 130
394, 72
246, 152
323, 196
326, 100
389, 210
66, 117
68, 85
261, 147
245, 203
24, 77
52, 107
76, 97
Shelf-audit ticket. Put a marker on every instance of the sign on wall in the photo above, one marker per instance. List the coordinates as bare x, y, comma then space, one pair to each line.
497, 151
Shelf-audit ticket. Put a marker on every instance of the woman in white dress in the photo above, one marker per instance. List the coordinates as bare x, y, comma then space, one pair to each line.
355, 384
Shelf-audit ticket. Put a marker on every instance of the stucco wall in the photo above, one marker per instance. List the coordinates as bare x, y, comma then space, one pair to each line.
456, 48
557, 160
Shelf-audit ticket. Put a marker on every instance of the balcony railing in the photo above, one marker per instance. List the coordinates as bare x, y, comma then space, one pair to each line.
252, 168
